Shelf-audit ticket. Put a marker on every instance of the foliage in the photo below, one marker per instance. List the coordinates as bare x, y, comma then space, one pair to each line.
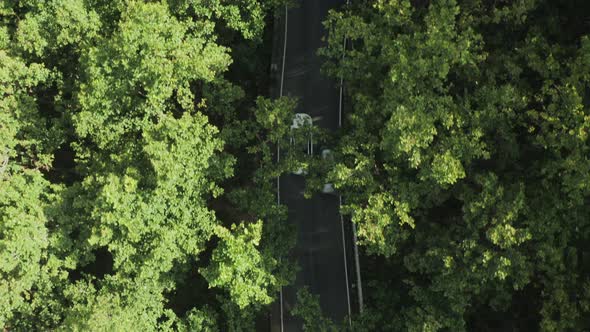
308, 309
23, 235
111, 161
464, 159
238, 265
25, 150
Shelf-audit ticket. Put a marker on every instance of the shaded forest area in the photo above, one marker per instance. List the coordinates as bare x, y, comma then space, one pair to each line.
137, 169
470, 186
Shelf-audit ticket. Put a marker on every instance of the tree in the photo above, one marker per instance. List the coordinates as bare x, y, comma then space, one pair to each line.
471, 179
308, 309
24, 193
238, 265
111, 161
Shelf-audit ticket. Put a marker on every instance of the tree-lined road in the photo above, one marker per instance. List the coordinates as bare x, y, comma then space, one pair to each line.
321, 242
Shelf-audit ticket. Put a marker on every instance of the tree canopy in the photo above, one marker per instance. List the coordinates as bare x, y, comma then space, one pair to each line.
464, 161
117, 120
137, 164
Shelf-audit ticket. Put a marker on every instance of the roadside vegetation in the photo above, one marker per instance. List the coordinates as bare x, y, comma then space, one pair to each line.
137, 164
465, 161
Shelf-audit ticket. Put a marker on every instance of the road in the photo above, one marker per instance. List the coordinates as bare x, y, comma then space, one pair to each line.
322, 248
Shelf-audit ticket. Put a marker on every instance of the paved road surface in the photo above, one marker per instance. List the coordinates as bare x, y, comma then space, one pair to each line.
320, 247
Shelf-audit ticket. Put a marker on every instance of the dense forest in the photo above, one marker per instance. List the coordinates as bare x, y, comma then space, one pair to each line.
137, 164
466, 161
134, 188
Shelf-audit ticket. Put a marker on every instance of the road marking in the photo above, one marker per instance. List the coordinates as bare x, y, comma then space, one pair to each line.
354, 236
341, 82
359, 283
284, 51
297, 71
340, 199
278, 148
345, 264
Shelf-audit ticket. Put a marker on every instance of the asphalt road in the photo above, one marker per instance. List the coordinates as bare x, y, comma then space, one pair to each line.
320, 249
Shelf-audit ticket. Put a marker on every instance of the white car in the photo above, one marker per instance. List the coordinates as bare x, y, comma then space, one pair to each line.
301, 120
328, 188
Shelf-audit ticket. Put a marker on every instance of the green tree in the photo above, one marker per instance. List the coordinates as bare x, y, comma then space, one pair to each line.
308, 309
238, 265
112, 158
27, 143
463, 160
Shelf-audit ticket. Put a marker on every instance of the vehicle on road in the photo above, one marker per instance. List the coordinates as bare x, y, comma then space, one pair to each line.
328, 188
301, 121
305, 121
